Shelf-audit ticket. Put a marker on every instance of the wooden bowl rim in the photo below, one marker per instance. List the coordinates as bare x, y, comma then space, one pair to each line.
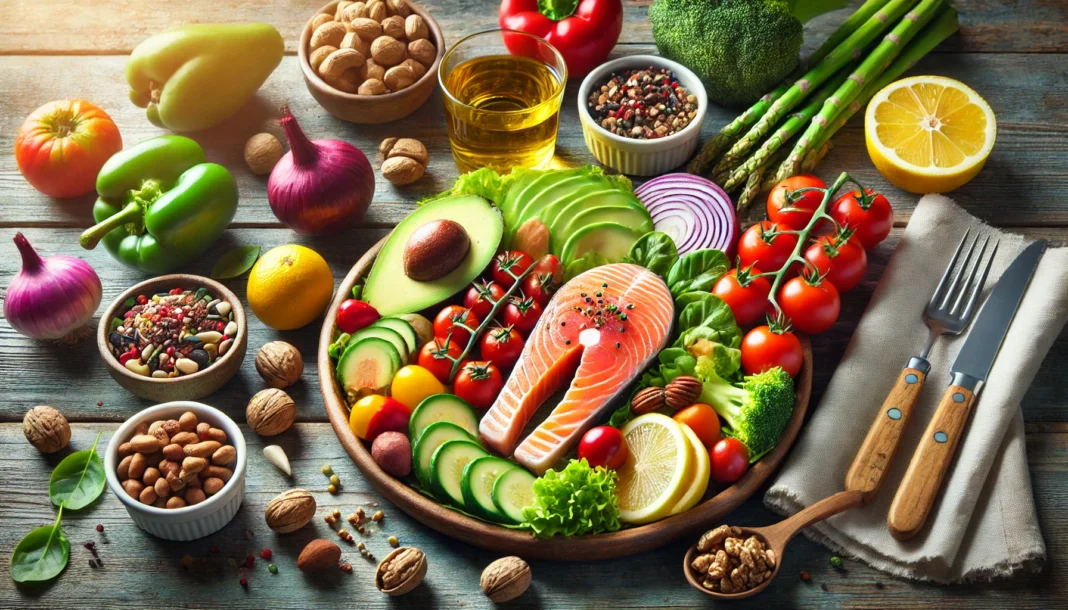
431, 72
519, 542
177, 279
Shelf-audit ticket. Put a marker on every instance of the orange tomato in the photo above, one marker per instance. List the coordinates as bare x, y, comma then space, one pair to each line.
704, 422
62, 145
362, 412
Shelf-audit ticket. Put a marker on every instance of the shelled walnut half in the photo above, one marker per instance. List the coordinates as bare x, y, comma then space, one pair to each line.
729, 564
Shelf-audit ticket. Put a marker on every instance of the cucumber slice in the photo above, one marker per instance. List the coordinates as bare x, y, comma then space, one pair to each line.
513, 491
369, 363
403, 328
477, 486
433, 437
442, 407
387, 334
447, 469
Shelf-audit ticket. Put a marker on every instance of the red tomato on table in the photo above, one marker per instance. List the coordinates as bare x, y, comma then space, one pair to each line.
62, 145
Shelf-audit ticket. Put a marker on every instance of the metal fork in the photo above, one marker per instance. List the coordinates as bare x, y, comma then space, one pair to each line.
949, 312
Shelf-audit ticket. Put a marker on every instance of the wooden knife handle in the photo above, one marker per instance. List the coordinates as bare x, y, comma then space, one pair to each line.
918, 490
869, 468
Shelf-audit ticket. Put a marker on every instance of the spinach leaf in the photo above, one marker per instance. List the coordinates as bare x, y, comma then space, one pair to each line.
78, 479
42, 554
697, 271
708, 317
585, 263
655, 251
235, 262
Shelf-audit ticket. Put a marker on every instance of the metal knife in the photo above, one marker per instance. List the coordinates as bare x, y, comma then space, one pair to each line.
919, 488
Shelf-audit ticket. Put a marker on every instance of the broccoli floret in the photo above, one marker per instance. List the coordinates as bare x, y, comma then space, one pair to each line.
740, 49
757, 411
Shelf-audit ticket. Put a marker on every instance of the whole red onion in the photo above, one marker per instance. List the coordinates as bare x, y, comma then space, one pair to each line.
51, 297
319, 186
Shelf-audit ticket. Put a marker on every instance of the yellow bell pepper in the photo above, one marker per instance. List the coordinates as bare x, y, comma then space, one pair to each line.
196, 76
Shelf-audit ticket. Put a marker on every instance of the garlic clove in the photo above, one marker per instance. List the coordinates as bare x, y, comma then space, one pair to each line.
277, 457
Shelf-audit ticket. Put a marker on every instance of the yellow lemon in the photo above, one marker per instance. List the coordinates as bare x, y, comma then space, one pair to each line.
702, 470
659, 468
929, 134
289, 287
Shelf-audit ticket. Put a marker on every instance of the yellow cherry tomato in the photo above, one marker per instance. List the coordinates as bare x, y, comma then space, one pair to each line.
412, 384
362, 412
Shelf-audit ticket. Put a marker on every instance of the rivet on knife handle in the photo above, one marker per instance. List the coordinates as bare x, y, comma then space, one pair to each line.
919, 488
869, 468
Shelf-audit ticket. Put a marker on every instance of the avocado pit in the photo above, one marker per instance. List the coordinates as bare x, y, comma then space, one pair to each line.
435, 249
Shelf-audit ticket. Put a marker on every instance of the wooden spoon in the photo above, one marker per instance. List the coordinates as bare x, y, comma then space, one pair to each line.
775, 537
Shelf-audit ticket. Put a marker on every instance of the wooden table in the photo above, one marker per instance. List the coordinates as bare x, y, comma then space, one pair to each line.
1014, 55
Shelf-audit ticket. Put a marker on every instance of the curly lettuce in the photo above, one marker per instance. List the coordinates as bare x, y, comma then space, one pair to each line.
577, 500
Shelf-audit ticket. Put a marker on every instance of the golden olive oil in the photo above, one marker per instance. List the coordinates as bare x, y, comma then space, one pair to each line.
503, 111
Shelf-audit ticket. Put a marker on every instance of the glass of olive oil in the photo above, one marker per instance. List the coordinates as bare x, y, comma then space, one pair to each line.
502, 91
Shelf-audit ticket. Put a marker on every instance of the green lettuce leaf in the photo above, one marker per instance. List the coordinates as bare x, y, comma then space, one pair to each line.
697, 271
483, 182
655, 251
577, 500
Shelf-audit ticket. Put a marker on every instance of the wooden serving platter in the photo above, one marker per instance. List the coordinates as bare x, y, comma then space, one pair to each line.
518, 542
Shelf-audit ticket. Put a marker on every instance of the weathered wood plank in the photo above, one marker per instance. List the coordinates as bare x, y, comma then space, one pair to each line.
32, 373
86, 27
141, 571
1025, 181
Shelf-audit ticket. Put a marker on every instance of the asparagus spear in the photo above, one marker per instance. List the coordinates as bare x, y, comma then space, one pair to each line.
714, 147
752, 187
873, 65
825, 69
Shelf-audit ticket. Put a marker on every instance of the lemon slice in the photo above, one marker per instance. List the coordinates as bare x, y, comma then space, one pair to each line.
702, 469
658, 470
929, 134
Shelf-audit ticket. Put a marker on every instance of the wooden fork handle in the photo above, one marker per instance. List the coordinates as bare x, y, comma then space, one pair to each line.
918, 490
876, 453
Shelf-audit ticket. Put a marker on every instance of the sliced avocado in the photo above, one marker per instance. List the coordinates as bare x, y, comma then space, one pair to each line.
626, 216
390, 291
388, 334
516, 193
610, 240
367, 364
546, 190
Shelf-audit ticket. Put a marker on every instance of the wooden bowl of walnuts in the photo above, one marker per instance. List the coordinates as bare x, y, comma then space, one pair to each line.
373, 61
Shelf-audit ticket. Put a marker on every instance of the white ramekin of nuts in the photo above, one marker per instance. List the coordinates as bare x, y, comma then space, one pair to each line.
179, 468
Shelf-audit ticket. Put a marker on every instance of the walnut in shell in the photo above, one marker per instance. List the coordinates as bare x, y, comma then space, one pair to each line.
401, 571
505, 579
46, 429
290, 510
262, 152
280, 364
270, 412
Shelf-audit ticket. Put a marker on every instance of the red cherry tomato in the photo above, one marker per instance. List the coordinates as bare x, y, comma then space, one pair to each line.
760, 246
783, 195
481, 296
435, 357
551, 265
870, 216
502, 347
522, 314
811, 303
539, 287
457, 320
603, 446
730, 460
508, 264
747, 296
843, 262
764, 348
352, 315
478, 383
392, 416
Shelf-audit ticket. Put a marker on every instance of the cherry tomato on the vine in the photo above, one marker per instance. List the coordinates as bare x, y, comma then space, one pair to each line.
352, 315
522, 314
747, 296
510, 263
551, 265
811, 303
766, 347
870, 216
478, 383
783, 195
502, 347
763, 247
539, 286
603, 446
453, 319
843, 262
481, 296
730, 460
437, 357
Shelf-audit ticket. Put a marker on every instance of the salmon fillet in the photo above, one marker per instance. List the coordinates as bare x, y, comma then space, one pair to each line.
627, 312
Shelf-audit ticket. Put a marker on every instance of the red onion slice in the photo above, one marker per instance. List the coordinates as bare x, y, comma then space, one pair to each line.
693, 211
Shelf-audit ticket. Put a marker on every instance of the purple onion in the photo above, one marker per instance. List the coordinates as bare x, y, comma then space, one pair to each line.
691, 210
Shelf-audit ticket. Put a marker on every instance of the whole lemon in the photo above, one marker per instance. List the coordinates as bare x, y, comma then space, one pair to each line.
289, 287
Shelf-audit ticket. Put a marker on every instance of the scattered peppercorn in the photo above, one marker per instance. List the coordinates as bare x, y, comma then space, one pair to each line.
824, 586
346, 567
836, 562
327, 470
378, 516
804, 576
336, 514
250, 561
244, 583
335, 480
643, 104
331, 489
341, 533
99, 527
361, 546
100, 403
352, 519
187, 562
360, 514
266, 554
393, 542
273, 569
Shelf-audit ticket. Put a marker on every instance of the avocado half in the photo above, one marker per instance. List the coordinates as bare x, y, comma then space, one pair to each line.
390, 291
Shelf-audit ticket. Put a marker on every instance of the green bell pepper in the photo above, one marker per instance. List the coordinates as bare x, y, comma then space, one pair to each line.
160, 204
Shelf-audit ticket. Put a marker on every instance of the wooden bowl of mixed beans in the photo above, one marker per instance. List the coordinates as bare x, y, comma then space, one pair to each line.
175, 337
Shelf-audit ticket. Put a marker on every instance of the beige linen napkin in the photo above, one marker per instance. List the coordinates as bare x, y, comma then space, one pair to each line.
984, 525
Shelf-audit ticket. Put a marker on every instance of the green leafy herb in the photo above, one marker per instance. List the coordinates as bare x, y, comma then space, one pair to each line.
41, 554
621, 416
78, 479
708, 317
235, 262
115, 323
655, 251
357, 291
697, 271
577, 500
587, 262
338, 346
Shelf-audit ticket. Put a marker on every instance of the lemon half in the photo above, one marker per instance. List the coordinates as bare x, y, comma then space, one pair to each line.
699, 481
659, 468
929, 134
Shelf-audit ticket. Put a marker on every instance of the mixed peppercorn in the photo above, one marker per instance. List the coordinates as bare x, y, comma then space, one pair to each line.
643, 104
